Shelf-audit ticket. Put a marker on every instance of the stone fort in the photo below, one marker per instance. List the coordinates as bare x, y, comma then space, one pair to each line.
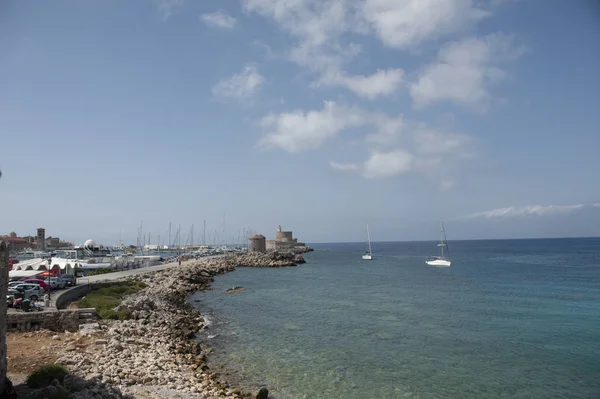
284, 240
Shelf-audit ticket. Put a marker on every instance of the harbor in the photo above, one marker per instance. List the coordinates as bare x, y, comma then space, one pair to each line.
38, 256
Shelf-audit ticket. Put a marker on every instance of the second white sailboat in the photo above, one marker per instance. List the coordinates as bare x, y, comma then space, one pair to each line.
442, 260
368, 255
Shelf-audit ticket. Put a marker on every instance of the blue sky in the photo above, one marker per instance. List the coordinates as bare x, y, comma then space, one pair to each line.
320, 116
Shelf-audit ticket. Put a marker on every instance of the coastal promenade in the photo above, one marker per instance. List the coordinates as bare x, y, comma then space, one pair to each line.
132, 272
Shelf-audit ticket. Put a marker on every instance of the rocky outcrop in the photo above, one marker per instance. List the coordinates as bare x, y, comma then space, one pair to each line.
263, 393
301, 249
266, 259
75, 387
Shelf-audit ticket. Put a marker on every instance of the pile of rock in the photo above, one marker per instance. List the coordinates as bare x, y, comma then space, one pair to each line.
301, 249
266, 259
157, 348
76, 387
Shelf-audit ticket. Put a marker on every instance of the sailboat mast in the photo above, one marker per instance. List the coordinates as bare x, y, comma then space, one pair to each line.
369, 238
442, 236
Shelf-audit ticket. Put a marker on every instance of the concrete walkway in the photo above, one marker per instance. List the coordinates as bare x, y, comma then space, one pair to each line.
131, 272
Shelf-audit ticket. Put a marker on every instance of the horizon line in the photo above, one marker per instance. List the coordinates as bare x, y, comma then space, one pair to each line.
462, 239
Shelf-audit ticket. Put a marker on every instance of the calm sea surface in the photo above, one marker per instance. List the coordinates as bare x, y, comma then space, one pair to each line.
509, 319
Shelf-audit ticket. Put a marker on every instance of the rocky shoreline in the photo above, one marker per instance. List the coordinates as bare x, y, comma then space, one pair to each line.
155, 353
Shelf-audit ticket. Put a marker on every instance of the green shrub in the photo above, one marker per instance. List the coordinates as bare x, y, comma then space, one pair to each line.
44, 375
105, 300
103, 270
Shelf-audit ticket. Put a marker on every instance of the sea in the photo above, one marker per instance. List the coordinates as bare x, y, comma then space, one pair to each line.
509, 319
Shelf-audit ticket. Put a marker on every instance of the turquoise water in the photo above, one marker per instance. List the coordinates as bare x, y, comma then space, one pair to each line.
509, 319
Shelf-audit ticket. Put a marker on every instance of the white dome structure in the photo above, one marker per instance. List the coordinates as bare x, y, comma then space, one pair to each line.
89, 244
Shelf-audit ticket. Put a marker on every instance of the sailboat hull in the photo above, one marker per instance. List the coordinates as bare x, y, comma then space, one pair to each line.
439, 263
367, 257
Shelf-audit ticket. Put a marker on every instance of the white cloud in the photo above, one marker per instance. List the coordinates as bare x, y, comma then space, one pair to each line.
219, 19
313, 21
170, 7
447, 184
385, 165
596, 205
464, 70
241, 86
318, 25
382, 82
344, 167
387, 129
300, 130
324, 31
539, 210
429, 141
396, 146
406, 23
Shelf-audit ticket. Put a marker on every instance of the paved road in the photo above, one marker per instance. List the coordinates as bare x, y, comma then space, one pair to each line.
127, 273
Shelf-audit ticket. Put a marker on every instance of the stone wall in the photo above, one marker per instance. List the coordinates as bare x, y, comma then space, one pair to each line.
81, 290
3, 291
274, 245
284, 236
72, 295
60, 320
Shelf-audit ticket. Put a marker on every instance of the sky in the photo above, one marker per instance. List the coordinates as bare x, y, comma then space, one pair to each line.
321, 116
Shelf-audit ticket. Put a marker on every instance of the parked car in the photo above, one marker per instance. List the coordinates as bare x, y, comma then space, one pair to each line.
69, 279
31, 291
40, 282
14, 283
57, 283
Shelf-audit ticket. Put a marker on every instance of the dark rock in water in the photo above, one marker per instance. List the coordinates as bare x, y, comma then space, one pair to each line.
235, 289
262, 393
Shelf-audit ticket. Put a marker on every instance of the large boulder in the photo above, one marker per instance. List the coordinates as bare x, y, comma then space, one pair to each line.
262, 393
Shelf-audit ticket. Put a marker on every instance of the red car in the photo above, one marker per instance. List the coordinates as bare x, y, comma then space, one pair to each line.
37, 281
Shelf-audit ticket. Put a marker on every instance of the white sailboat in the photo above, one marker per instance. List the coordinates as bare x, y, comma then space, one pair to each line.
440, 260
368, 255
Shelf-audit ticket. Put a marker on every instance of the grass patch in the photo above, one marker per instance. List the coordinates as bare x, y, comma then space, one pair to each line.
103, 270
43, 376
106, 299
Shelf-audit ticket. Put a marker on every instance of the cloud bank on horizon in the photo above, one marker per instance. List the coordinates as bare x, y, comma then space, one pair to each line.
537, 210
